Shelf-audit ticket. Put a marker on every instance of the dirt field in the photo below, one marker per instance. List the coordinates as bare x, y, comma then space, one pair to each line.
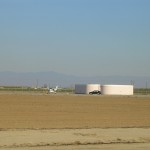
64, 111
42, 122
135, 138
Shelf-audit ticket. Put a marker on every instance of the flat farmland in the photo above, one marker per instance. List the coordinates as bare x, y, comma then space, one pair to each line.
23, 111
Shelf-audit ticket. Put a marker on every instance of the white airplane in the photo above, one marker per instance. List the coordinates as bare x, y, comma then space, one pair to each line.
53, 90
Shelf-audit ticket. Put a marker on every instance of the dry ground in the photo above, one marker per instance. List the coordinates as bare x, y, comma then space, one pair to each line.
64, 122
70, 111
75, 139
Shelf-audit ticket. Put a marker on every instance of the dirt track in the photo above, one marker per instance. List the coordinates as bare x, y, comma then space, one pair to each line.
70, 111
72, 138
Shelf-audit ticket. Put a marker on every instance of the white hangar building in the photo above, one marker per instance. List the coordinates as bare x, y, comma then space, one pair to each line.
86, 88
117, 89
105, 89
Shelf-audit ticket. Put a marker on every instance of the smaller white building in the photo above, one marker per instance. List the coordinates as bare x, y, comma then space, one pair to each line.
117, 89
86, 88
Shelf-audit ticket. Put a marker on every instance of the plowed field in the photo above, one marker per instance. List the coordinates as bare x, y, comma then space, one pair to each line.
73, 111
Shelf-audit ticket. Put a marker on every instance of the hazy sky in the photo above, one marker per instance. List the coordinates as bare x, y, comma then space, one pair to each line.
76, 37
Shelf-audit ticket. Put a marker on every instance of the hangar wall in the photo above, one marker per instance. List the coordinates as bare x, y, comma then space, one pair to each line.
117, 89
86, 88
105, 89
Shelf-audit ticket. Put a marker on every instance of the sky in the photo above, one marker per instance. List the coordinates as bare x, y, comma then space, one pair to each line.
76, 37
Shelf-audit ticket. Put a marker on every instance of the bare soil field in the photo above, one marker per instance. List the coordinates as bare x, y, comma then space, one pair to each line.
73, 111
127, 138
77, 122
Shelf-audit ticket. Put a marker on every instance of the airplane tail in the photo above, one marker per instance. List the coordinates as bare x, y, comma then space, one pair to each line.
56, 88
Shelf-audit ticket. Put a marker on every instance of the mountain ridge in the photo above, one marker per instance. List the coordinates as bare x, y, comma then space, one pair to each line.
10, 78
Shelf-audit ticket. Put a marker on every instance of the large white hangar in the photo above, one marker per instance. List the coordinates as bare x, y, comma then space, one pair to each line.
117, 89
86, 88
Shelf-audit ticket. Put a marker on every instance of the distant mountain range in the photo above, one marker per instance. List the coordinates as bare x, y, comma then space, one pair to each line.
53, 78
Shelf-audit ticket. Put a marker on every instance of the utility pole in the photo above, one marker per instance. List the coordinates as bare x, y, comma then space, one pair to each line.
146, 87
37, 82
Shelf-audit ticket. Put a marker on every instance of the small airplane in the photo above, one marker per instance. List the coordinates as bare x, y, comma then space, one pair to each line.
52, 90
